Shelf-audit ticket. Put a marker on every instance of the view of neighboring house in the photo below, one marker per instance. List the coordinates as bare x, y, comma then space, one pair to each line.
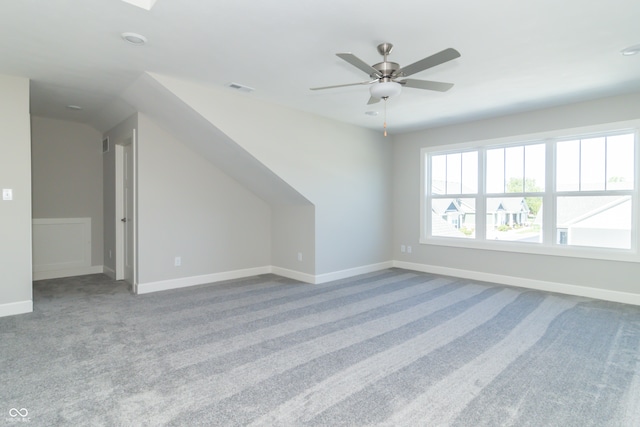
603, 221
459, 213
511, 211
457, 217
600, 221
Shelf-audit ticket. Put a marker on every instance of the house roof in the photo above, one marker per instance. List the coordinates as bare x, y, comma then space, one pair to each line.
441, 228
515, 56
443, 206
507, 204
595, 211
591, 211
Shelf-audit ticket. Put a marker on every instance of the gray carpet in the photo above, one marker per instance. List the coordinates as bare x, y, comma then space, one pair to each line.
393, 348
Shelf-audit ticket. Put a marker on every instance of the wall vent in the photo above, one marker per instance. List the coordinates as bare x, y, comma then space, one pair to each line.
240, 87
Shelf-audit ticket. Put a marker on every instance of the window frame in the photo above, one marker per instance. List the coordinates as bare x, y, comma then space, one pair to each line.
548, 246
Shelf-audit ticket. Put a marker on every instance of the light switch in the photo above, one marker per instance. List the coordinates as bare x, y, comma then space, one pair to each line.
7, 194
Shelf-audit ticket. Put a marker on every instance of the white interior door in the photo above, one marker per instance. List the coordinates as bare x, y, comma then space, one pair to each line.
119, 211
128, 219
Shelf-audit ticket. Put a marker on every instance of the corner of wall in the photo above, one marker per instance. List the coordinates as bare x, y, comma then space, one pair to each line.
15, 174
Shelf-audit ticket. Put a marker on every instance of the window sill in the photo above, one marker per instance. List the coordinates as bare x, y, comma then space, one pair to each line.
623, 255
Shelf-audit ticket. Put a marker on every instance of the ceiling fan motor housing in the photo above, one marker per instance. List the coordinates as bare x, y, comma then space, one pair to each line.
386, 69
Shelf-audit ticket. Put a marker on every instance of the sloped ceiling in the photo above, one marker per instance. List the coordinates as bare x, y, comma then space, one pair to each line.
148, 95
516, 56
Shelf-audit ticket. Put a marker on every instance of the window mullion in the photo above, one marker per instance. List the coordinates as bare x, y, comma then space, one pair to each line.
606, 152
504, 170
481, 199
446, 174
549, 198
461, 172
524, 169
635, 204
425, 195
580, 165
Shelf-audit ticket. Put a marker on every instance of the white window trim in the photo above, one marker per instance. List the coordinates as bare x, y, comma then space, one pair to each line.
548, 247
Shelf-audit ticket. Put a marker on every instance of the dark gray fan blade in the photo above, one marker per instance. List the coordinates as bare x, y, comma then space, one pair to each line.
348, 84
428, 62
426, 84
359, 64
373, 100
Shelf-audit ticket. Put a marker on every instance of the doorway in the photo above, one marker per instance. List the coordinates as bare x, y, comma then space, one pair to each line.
125, 203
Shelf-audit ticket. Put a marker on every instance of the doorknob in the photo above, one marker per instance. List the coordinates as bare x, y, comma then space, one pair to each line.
124, 220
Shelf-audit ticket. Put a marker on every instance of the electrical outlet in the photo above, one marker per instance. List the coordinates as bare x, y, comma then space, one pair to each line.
408, 249
177, 262
300, 256
110, 254
7, 194
403, 248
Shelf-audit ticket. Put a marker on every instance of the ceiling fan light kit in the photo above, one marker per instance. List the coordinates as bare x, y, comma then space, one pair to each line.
388, 77
384, 90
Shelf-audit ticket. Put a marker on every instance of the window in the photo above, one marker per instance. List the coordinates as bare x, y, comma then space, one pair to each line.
515, 178
574, 196
594, 184
454, 174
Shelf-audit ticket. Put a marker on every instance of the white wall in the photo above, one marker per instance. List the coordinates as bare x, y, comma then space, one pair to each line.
344, 171
604, 275
292, 238
66, 162
15, 215
188, 208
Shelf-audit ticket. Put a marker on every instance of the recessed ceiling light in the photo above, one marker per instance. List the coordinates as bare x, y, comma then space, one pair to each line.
134, 39
631, 50
74, 107
371, 113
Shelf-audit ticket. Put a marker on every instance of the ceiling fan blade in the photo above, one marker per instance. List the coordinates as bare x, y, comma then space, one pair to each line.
345, 85
426, 84
359, 64
373, 100
428, 62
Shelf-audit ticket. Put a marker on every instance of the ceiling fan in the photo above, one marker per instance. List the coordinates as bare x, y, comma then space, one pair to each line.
388, 77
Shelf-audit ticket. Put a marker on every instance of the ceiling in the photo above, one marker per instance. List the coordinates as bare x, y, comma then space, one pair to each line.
516, 56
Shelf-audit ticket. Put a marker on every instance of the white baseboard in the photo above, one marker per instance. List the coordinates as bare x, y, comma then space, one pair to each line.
562, 288
13, 308
329, 277
67, 272
540, 285
292, 274
183, 282
345, 274
109, 272
143, 288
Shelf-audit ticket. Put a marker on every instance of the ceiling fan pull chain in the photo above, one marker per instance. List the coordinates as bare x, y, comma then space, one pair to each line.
385, 116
